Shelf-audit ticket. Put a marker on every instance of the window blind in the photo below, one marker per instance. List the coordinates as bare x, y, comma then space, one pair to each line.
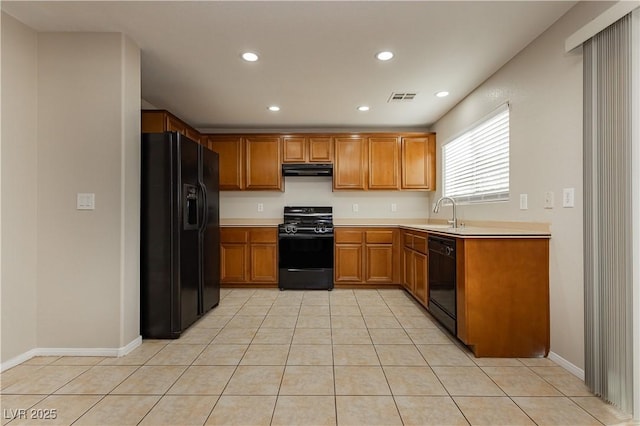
476, 163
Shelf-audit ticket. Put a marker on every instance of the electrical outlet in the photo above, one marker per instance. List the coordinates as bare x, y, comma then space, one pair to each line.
394, 207
524, 202
355, 207
568, 197
260, 207
548, 200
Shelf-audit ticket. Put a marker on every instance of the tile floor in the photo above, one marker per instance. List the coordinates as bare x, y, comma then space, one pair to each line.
348, 357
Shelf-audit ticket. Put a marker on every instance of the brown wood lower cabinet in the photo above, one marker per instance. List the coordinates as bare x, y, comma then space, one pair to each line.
415, 262
503, 296
249, 256
502, 291
367, 256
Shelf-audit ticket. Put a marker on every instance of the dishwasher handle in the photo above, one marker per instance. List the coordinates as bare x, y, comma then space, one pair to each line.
444, 246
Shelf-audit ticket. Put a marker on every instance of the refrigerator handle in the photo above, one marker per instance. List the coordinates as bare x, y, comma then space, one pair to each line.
205, 209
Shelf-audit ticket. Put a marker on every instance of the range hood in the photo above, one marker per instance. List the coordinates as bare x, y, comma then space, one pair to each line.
307, 169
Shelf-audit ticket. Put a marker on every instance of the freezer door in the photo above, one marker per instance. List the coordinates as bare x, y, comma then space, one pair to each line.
210, 237
189, 230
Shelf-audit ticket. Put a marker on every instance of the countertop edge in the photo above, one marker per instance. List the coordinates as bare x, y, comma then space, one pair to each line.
462, 232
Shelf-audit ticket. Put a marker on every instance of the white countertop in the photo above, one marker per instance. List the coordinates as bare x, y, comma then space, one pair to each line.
498, 231
480, 231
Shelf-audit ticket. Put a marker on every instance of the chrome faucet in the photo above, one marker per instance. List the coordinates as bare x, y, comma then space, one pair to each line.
454, 221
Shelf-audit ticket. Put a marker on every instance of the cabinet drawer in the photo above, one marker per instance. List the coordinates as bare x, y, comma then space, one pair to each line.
379, 237
349, 237
263, 235
420, 243
407, 240
233, 235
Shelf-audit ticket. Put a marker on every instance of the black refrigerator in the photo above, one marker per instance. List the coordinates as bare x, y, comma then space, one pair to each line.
179, 235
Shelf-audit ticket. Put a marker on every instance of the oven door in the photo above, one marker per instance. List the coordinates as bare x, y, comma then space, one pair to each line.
305, 261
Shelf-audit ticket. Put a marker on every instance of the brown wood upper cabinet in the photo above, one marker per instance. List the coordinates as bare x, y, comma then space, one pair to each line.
230, 151
350, 163
263, 169
248, 162
384, 163
303, 149
362, 161
158, 121
419, 163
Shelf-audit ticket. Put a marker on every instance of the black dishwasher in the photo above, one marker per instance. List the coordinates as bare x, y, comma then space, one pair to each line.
442, 281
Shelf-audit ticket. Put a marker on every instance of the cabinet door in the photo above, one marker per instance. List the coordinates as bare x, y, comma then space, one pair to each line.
320, 150
379, 263
175, 125
408, 279
384, 163
350, 168
229, 149
153, 121
348, 263
263, 170
294, 150
233, 263
421, 283
193, 135
264, 264
419, 163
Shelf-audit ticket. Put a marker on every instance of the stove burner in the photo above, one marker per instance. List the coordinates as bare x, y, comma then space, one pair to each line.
307, 220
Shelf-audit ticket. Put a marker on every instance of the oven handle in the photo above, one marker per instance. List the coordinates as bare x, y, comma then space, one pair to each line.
305, 269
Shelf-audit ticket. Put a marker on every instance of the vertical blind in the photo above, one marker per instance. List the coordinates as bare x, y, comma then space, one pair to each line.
608, 225
476, 163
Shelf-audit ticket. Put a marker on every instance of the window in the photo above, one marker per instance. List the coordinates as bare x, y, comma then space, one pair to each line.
476, 163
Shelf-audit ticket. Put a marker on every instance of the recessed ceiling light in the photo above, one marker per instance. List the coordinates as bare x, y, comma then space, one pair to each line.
363, 108
250, 56
274, 108
384, 56
442, 94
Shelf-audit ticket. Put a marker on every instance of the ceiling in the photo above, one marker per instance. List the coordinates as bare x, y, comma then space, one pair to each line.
317, 59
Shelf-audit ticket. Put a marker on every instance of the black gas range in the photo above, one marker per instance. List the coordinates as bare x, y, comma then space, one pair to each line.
305, 245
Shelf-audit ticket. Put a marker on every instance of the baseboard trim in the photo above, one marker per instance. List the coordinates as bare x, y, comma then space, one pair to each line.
571, 368
129, 347
18, 359
110, 352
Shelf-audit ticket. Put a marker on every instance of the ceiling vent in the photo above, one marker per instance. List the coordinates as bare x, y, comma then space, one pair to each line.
402, 96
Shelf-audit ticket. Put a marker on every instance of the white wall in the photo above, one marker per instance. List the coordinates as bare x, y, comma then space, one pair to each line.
88, 102
19, 188
317, 191
544, 87
70, 278
130, 193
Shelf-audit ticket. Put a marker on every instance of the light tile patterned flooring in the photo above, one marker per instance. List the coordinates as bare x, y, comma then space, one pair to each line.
347, 357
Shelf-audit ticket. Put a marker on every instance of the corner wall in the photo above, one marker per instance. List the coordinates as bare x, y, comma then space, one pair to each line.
88, 142
19, 188
543, 85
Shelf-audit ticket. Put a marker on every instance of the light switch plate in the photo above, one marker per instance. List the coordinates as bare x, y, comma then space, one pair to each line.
86, 201
394, 207
568, 197
548, 200
355, 207
524, 202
